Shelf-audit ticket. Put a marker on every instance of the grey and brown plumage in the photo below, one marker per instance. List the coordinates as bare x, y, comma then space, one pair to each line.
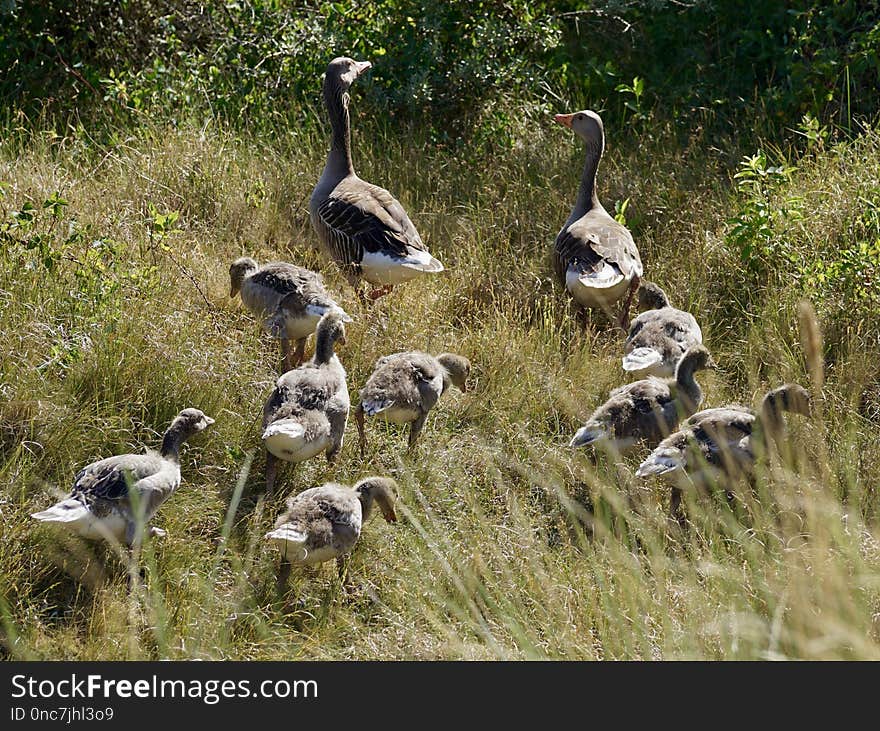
112, 496
725, 441
659, 336
361, 226
307, 410
646, 410
404, 387
595, 257
290, 299
323, 523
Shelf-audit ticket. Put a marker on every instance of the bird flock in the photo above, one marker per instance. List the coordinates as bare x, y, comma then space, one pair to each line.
370, 237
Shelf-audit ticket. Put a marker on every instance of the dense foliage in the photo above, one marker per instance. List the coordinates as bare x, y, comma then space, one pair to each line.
445, 65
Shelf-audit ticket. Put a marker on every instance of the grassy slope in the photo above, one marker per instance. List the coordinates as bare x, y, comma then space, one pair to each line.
492, 559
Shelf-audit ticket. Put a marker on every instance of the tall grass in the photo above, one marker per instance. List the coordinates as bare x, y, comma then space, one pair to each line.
511, 545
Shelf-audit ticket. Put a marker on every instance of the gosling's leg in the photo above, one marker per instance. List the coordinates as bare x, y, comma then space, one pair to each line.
415, 428
285, 355
299, 354
271, 473
362, 436
283, 576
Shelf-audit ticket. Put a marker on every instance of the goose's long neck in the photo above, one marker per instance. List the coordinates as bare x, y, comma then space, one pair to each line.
171, 442
687, 384
324, 349
587, 198
339, 159
771, 418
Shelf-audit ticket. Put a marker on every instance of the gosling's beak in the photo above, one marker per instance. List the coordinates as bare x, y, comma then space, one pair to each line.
361, 66
391, 516
342, 340
232, 292
564, 119
209, 420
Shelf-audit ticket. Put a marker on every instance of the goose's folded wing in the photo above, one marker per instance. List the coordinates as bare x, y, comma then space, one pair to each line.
593, 239
366, 218
109, 479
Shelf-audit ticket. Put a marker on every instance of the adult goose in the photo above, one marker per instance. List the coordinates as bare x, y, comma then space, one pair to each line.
659, 336
725, 441
404, 387
595, 257
307, 410
290, 298
361, 226
112, 496
646, 410
324, 522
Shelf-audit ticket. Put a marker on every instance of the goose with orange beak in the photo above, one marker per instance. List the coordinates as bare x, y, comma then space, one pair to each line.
595, 257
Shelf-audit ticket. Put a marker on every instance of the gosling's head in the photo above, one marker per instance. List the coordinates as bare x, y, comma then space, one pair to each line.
382, 491
190, 421
458, 369
651, 297
695, 358
331, 327
239, 270
789, 397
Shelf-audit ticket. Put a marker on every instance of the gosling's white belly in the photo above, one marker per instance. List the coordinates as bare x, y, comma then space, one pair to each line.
297, 553
398, 415
295, 448
300, 327
112, 526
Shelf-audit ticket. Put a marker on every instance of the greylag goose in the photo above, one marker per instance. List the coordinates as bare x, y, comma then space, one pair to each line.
359, 225
404, 387
291, 299
307, 410
659, 336
112, 496
725, 441
324, 522
595, 257
649, 409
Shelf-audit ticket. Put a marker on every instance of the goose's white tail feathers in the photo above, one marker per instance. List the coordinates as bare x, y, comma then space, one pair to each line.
287, 534
289, 428
641, 359
604, 277
423, 262
661, 463
588, 435
67, 511
375, 406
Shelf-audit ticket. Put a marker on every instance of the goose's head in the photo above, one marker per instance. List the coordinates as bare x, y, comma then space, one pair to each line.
651, 297
190, 421
458, 369
239, 270
343, 71
586, 124
382, 491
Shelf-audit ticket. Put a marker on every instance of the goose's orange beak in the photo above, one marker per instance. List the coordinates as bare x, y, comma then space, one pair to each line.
564, 119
